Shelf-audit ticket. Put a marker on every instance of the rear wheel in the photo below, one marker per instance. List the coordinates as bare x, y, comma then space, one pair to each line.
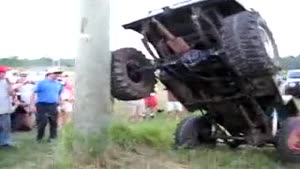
288, 144
193, 131
127, 83
249, 45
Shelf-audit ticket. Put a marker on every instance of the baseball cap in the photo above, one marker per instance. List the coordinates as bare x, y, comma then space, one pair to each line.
54, 71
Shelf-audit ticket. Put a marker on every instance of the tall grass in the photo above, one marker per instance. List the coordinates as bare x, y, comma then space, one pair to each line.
157, 133
148, 144
63, 149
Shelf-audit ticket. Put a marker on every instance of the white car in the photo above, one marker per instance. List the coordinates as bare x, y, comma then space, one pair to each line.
292, 84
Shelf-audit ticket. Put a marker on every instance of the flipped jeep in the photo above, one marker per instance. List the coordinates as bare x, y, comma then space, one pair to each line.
217, 57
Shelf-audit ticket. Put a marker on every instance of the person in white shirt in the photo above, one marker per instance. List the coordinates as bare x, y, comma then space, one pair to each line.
12, 76
22, 118
25, 89
6, 92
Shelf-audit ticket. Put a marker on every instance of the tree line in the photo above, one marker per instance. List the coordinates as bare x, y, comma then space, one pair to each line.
41, 62
290, 62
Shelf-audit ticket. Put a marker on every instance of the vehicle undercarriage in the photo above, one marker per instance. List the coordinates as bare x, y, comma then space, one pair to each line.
217, 57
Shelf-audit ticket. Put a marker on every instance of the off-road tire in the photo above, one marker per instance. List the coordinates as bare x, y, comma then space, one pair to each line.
285, 153
244, 50
123, 86
192, 132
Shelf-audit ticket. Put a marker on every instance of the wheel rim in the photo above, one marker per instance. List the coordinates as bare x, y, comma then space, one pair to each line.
133, 74
267, 42
294, 140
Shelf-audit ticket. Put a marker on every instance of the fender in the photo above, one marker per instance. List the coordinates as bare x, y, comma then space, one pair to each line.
290, 105
287, 98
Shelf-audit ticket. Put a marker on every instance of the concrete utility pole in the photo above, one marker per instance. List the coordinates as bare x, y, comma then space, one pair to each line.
93, 105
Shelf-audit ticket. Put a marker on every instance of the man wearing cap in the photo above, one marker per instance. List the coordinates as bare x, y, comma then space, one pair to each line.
45, 101
6, 91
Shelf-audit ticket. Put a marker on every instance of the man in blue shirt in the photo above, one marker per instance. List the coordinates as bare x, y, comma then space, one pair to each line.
45, 101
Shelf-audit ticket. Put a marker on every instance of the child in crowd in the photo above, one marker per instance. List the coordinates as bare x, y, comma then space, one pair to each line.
151, 105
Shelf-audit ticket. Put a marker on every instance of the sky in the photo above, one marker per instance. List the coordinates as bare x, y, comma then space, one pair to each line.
38, 28
49, 28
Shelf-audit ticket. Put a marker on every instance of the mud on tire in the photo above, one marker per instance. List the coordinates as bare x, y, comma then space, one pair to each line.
192, 132
126, 83
243, 37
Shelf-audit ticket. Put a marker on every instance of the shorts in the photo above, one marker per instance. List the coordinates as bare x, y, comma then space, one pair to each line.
136, 102
174, 106
137, 105
66, 107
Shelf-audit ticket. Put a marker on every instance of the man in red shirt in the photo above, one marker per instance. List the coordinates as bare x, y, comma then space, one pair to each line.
151, 104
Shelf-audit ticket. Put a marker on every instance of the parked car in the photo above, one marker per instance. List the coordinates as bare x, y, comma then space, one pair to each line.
292, 84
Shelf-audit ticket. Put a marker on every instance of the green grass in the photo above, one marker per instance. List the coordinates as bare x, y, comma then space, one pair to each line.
63, 149
156, 133
140, 145
28, 154
222, 157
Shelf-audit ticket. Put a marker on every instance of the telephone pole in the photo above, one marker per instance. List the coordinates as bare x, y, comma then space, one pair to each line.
92, 84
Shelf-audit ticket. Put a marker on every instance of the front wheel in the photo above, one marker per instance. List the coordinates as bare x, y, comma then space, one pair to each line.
127, 82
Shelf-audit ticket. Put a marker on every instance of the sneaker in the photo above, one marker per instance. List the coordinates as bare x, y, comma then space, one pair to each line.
50, 140
9, 146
